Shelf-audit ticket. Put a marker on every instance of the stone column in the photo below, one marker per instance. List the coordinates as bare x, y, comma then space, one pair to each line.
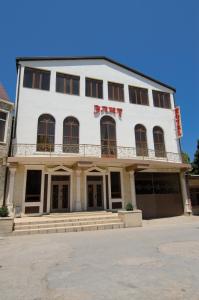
186, 200
10, 195
78, 206
132, 186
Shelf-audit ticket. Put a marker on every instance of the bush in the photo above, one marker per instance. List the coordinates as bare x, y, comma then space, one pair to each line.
129, 206
4, 211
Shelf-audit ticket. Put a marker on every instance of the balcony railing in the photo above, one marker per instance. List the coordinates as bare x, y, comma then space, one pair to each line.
88, 150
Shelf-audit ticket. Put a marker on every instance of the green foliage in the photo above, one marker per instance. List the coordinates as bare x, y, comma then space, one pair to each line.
186, 158
129, 206
4, 211
195, 163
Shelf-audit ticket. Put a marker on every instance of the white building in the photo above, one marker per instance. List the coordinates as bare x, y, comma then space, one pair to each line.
93, 134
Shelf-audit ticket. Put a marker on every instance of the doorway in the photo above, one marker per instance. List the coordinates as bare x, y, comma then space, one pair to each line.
60, 193
95, 199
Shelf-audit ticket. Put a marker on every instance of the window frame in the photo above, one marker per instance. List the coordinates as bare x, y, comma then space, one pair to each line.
96, 81
108, 145
70, 77
161, 101
138, 89
116, 85
6, 127
141, 146
36, 70
75, 146
159, 144
46, 145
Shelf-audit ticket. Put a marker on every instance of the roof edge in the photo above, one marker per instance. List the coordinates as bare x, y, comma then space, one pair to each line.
46, 58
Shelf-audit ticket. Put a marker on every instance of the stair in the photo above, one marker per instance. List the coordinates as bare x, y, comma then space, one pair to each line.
70, 222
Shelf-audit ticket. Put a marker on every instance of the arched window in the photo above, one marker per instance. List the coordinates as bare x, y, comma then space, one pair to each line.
46, 133
141, 140
159, 145
108, 136
71, 135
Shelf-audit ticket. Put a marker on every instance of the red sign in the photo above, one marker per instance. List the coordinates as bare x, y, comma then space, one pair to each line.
178, 122
106, 109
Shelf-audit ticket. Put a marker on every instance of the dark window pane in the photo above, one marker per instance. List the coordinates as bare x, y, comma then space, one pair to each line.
33, 186
38, 79
138, 95
45, 133
108, 137
60, 84
76, 87
115, 91
115, 185
67, 84
94, 88
71, 135
161, 99
159, 145
28, 78
45, 81
3, 117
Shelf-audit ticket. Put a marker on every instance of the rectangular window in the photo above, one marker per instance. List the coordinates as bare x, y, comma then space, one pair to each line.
138, 95
36, 79
116, 185
67, 84
115, 91
33, 186
161, 99
3, 118
94, 88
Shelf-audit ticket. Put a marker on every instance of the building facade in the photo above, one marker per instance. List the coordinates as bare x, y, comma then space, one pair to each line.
92, 134
6, 108
193, 184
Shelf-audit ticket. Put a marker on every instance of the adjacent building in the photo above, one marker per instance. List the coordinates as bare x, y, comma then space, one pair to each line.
93, 134
6, 108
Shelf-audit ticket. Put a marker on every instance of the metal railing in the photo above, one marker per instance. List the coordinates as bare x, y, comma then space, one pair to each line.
89, 150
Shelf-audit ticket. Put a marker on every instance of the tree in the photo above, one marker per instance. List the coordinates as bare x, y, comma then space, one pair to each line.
195, 163
185, 157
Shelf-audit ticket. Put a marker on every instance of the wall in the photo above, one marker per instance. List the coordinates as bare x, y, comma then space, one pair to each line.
33, 103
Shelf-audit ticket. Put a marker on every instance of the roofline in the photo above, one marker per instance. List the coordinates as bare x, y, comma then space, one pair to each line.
7, 102
46, 58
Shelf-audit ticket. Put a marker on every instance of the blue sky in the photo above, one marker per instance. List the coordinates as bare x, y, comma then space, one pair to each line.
157, 37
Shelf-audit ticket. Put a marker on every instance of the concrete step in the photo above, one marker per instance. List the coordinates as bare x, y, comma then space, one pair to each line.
64, 223
62, 229
47, 219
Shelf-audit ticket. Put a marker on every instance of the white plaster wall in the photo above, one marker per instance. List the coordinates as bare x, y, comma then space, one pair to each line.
33, 103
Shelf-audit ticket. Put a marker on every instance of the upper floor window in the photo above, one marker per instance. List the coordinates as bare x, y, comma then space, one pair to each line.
46, 133
71, 135
159, 144
36, 79
141, 140
3, 119
94, 88
115, 91
138, 95
108, 136
161, 99
67, 84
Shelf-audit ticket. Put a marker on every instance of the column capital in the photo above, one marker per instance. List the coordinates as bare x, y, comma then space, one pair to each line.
78, 172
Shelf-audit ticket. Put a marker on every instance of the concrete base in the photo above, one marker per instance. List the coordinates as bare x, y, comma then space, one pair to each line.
132, 218
6, 225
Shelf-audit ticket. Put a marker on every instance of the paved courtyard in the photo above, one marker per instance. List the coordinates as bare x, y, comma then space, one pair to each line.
158, 261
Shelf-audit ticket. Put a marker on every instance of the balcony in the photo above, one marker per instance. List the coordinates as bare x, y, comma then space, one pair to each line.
92, 151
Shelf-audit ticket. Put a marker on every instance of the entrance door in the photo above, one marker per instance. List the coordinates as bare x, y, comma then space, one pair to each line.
95, 195
60, 196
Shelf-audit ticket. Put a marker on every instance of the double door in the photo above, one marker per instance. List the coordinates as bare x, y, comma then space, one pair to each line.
60, 196
95, 195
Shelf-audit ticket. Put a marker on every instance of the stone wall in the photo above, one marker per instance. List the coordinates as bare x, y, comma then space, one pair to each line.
4, 148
